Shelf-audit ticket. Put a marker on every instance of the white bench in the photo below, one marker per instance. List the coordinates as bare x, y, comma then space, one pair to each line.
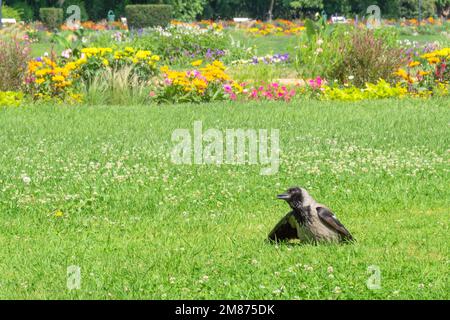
241, 20
9, 21
338, 19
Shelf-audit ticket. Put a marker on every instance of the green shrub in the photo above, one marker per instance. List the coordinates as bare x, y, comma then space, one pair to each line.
148, 15
11, 13
348, 54
26, 11
10, 98
52, 17
187, 10
366, 58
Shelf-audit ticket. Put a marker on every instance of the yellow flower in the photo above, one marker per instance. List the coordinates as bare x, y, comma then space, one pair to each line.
413, 64
33, 65
58, 78
401, 73
197, 63
155, 58
105, 62
423, 73
71, 66
164, 69
142, 54
39, 80
42, 72
59, 214
49, 62
81, 61
238, 87
433, 60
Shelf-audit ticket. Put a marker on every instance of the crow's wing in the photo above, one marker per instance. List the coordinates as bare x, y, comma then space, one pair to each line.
330, 220
284, 230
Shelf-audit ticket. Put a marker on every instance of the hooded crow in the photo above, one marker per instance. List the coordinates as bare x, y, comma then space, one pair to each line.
308, 221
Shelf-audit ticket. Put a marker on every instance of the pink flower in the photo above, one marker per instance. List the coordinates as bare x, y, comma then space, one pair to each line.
152, 94
228, 88
319, 81
233, 96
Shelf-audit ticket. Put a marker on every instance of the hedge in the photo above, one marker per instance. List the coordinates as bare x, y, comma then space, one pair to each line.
52, 17
148, 15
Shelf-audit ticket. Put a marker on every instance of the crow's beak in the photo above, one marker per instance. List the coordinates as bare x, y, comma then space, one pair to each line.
284, 196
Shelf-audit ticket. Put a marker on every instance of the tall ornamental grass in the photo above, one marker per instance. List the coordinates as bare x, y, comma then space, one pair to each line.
14, 55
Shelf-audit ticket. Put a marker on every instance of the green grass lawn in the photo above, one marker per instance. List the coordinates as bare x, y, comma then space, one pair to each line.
142, 227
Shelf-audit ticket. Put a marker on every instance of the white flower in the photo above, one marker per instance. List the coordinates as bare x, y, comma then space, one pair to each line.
351, 77
26, 179
330, 269
308, 268
337, 290
319, 42
66, 53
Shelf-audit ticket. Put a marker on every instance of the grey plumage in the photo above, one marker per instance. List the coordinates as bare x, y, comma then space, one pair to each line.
308, 221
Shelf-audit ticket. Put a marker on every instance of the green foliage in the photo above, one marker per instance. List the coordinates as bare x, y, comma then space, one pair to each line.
12, 13
10, 98
443, 7
410, 8
317, 49
52, 17
187, 10
141, 16
115, 87
380, 90
181, 44
341, 51
74, 43
26, 11
300, 7
366, 58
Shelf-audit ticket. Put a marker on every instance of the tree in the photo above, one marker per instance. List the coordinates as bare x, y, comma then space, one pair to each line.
301, 8
272, 2
187, 10
443, 7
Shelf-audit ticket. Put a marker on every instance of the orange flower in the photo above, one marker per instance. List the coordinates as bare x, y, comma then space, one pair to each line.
413, 64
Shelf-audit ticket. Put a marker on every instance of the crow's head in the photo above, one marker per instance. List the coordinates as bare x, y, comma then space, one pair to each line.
294, 196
